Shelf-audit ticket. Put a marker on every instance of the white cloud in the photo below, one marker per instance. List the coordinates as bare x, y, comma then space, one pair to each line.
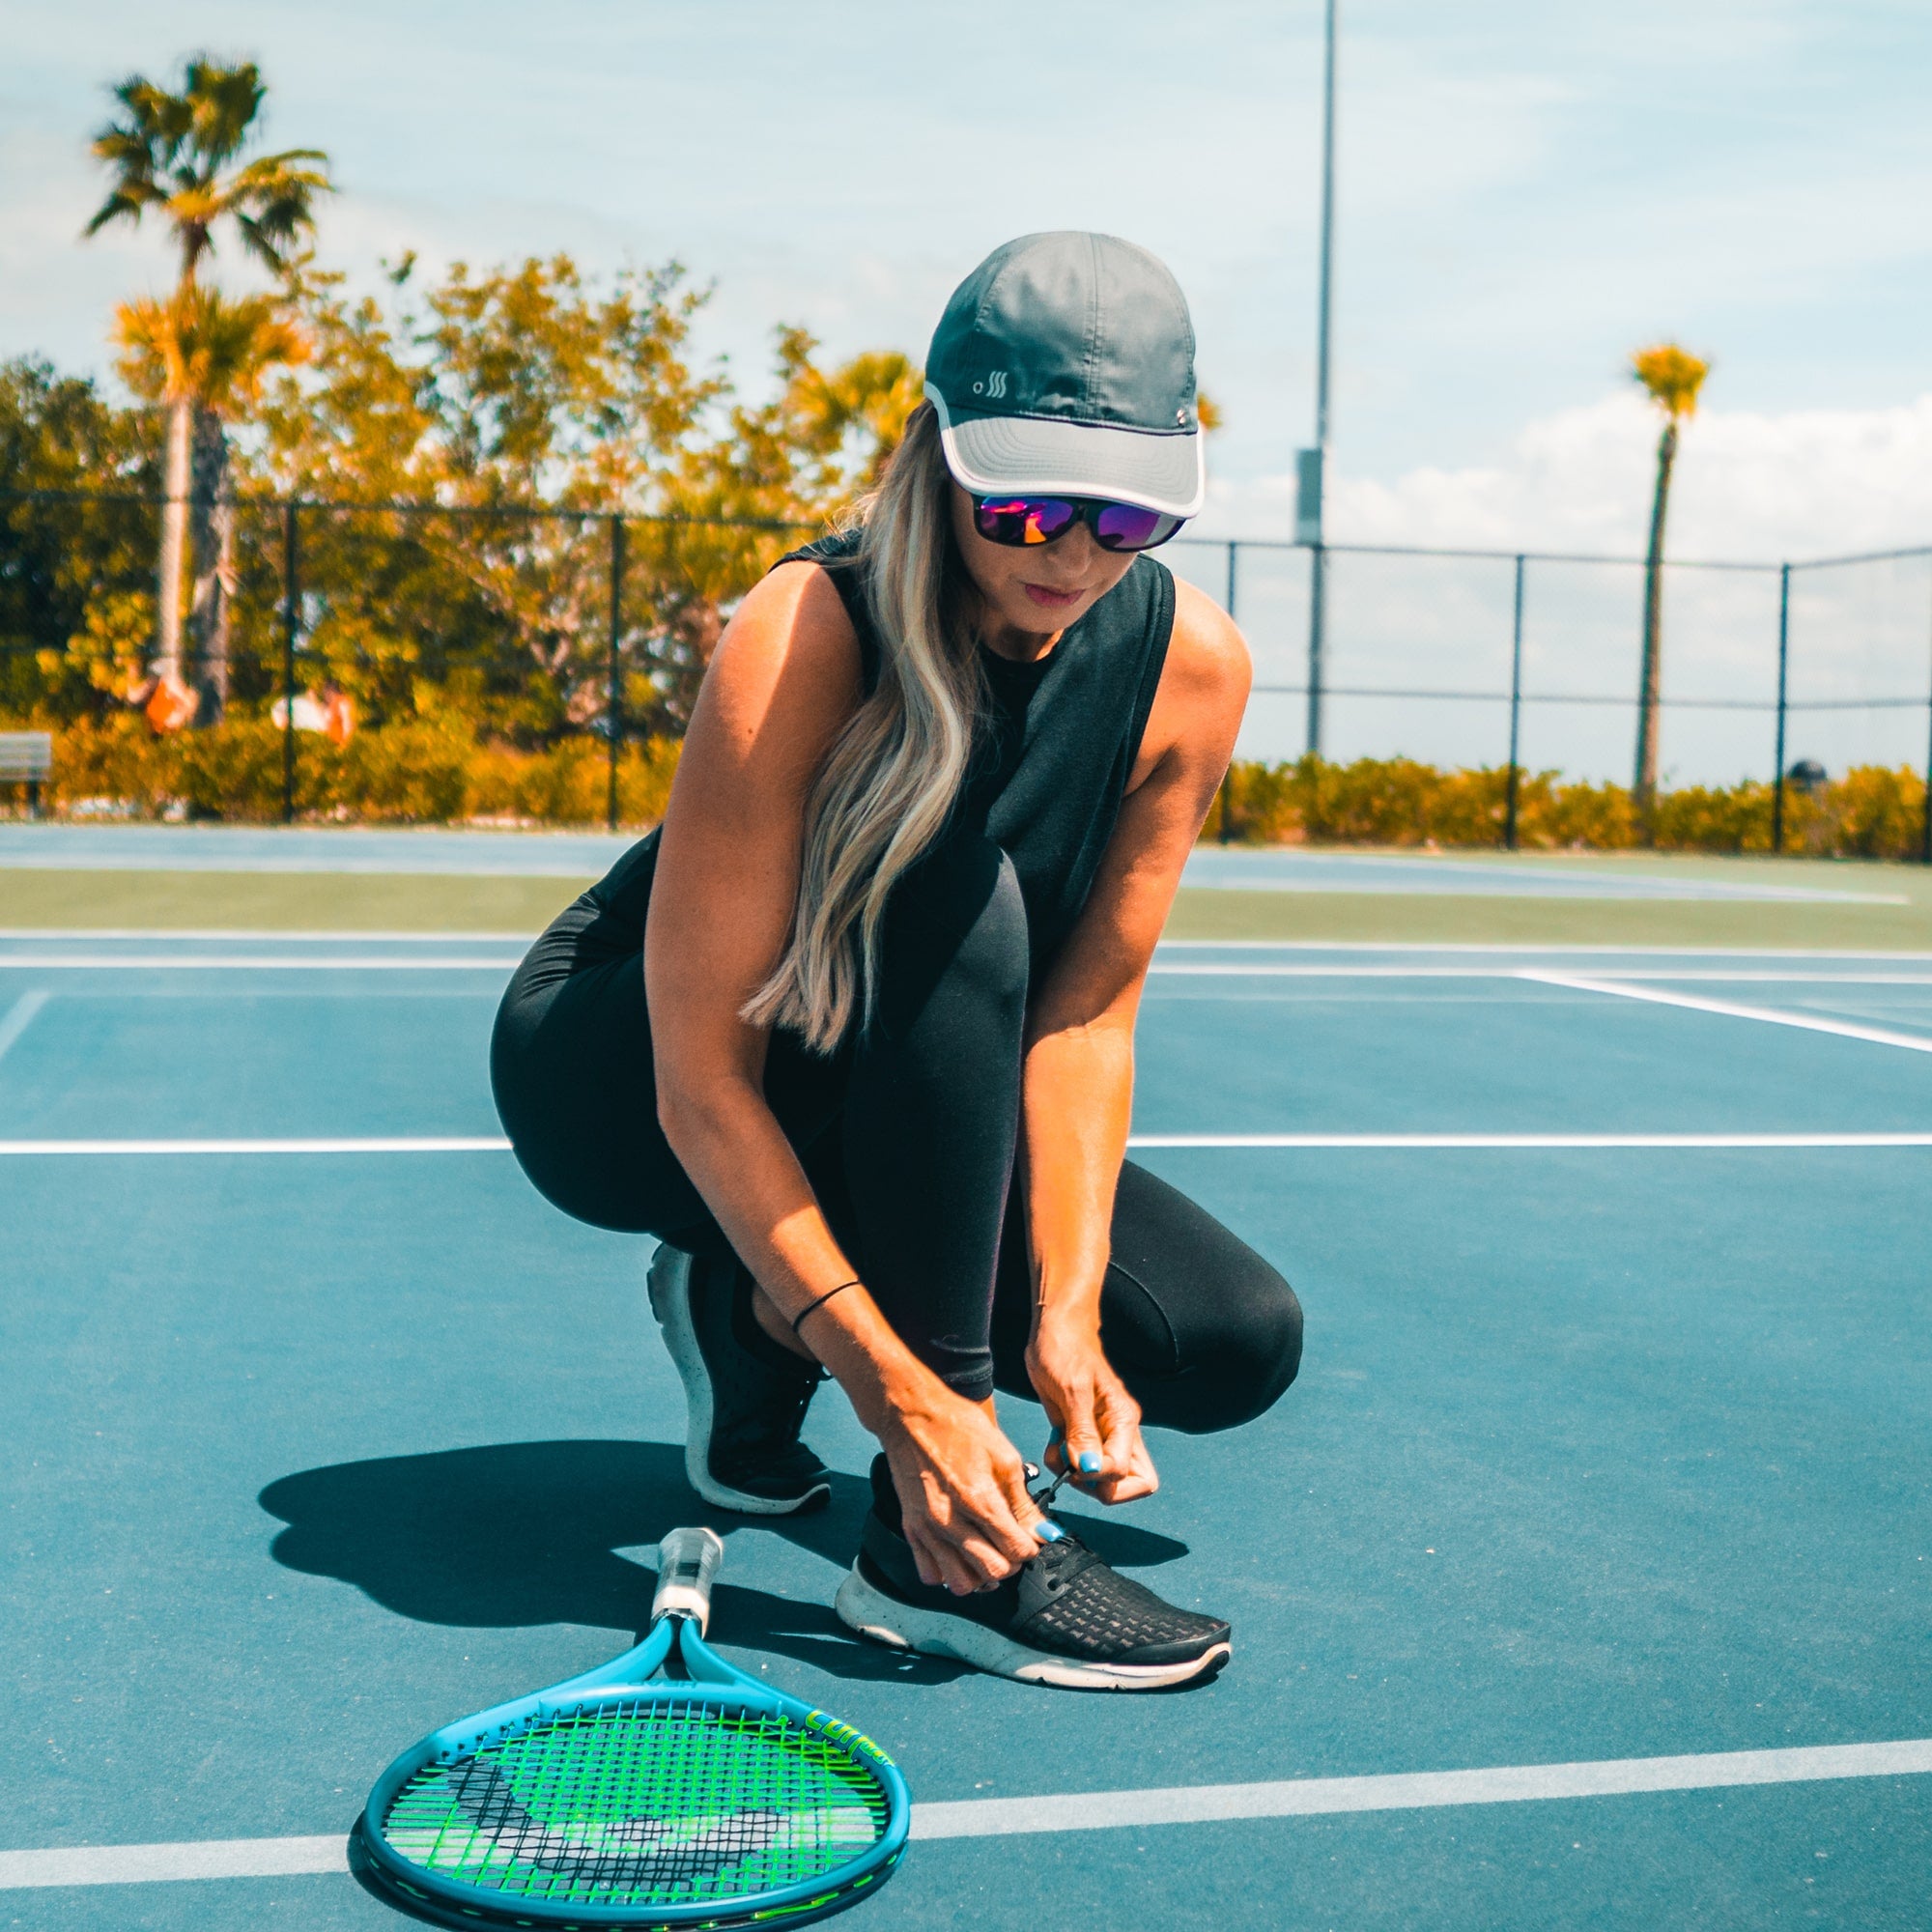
1750, 488
1747, 486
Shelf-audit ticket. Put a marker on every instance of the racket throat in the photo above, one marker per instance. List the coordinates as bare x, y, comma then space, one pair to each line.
696, 1662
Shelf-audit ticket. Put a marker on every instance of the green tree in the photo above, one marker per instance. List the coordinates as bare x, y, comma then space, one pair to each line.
177, 153
526, 404
1671, 378
210, 354
76, 557
775, 474
529, 403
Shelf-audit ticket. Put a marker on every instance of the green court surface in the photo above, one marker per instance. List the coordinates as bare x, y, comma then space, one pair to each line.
1582, 1582
1882, 906
280, 901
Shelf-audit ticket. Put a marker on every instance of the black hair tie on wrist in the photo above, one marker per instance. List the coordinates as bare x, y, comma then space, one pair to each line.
811, 1307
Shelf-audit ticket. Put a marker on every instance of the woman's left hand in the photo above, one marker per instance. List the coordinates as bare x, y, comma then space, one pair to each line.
1097, 1422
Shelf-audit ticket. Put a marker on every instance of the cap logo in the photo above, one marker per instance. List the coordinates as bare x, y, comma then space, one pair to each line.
994, 386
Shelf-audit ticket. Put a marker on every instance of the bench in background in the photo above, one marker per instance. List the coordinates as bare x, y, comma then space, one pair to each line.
27, 758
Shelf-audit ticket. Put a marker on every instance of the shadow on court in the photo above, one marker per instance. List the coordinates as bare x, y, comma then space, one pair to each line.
523, 1534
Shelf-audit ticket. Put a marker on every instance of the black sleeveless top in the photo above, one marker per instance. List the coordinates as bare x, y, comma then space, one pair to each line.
1056, 744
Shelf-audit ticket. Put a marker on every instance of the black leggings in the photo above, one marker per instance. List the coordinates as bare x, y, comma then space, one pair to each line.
907, 1134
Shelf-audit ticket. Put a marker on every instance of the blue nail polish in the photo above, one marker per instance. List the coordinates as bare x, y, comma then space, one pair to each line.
1090, 1464
1048, 1531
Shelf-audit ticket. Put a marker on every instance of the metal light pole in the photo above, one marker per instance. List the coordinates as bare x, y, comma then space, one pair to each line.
1310, 480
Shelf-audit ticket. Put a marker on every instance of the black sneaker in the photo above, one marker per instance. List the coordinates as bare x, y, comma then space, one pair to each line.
743, 1410
1065, 1618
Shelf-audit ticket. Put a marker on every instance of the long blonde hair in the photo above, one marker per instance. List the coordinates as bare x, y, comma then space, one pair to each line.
891, 778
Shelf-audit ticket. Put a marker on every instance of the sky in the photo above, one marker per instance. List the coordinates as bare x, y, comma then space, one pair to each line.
1526, 192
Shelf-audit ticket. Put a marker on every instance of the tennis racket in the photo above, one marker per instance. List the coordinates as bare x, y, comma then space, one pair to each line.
611, 1801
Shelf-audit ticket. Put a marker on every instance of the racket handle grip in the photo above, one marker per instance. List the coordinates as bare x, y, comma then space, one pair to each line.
688, 1561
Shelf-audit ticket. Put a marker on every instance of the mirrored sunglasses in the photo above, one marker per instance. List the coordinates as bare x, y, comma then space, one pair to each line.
1019, 521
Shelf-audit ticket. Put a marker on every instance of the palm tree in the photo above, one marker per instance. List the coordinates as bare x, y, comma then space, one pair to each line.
1671, 377
173, 152
204, 359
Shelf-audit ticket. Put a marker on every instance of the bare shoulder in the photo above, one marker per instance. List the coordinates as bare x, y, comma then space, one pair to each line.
1207, 654
787, 665
795, 612
1204, 688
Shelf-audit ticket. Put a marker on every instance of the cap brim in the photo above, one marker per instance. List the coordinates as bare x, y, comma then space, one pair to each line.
1049, 455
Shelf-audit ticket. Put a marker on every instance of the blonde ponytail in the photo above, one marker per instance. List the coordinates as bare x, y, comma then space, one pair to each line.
893, 774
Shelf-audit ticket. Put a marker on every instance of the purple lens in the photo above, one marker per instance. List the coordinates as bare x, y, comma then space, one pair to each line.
1127, 527
1023, 520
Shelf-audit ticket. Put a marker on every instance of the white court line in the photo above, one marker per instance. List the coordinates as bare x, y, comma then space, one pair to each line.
1313, 1143
1744, 978
1408, 1791
266, 963
20, 1016
266, 935
1231, 970
163, 936
385, 1144
1221, 969
143, 1864
1093, 1810
472, 962
1529, 1141
1767, 1016
1523, 950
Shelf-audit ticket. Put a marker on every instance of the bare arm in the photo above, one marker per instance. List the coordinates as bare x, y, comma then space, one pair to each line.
1078, 1094
784, 682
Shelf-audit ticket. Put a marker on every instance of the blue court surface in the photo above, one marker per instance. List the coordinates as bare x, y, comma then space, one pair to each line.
1583, 1581
226, 848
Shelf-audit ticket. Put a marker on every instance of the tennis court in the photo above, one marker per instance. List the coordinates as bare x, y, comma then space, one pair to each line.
1610, 1449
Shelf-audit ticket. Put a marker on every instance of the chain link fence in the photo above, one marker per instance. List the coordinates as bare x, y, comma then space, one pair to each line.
572, 641
1530, 661
404, 659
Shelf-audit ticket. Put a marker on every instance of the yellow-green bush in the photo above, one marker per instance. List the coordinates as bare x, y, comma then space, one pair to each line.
433, 770
1870, 813
425, 771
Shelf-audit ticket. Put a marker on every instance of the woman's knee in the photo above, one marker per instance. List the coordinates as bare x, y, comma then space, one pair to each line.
956, 943
569, 1060
1264, 1353
1242, 1362
1209, 1330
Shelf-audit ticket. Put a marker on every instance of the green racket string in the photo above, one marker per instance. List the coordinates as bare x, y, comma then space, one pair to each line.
644, 1802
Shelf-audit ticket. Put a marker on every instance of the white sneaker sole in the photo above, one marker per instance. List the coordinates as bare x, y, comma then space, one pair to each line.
861, 1607
671, 1302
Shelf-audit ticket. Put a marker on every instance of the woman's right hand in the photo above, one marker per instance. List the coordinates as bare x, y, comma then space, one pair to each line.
962, 1491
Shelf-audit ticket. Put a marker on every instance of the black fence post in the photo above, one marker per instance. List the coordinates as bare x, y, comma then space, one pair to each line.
291, 603
1783, 686
613, 701
1515, 716
1227, 777
1926, 831
1317, 628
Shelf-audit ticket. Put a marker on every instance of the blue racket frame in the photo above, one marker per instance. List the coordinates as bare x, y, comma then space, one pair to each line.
731, 1690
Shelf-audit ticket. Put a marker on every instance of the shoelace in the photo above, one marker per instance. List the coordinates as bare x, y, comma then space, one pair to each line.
1045, 1501
1066, 1474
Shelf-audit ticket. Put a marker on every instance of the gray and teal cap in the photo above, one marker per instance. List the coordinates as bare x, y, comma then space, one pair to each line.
1063, 365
